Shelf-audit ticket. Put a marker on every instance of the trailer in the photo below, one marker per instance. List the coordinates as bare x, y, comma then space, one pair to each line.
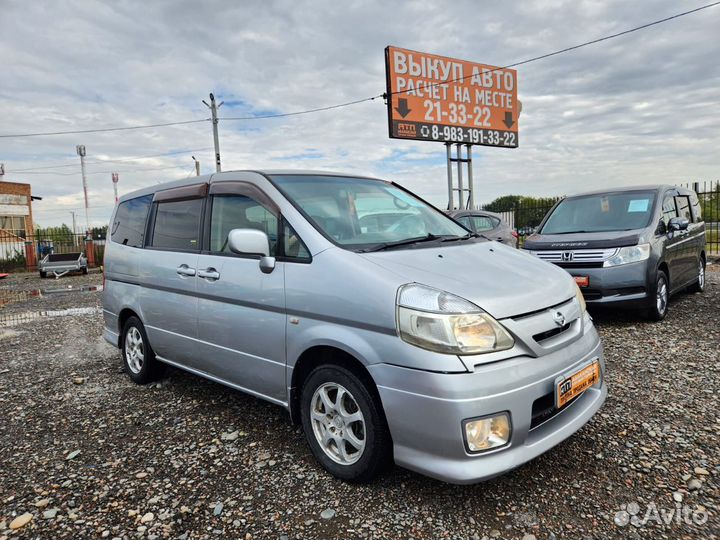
60, 264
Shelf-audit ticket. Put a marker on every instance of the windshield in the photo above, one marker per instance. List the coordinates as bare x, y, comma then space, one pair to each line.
601, 213
361, 214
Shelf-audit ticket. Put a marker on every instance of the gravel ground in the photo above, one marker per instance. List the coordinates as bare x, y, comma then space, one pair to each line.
88, 454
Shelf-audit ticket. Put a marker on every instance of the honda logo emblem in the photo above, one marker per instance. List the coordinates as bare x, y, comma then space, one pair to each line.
559, 318
566, 256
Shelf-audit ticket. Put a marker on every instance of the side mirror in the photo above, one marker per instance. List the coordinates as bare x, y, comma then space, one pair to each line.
679, 224
248, 242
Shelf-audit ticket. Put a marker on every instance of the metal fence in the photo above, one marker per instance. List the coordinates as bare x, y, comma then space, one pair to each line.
709, 195
23, 252
525, 215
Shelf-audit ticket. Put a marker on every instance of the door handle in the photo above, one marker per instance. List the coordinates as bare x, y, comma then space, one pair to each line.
209, 273
185, 270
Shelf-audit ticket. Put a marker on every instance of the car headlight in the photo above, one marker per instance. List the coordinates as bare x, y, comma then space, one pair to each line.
629, 254
439, 321
580, 299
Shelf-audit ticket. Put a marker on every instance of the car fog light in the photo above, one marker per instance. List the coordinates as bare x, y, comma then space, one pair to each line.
486, 433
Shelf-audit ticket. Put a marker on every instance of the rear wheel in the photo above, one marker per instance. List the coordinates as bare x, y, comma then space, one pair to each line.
660, 298
344, 425
43, 275
139, 358
699, 285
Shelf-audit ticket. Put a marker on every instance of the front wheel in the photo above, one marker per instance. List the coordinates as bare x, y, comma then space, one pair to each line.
660, 298
344, 424
139, 358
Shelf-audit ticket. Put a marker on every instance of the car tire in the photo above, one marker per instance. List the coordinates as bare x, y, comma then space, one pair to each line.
43, 275
138, 357
85, 270
344, 424
660, 297
699, 285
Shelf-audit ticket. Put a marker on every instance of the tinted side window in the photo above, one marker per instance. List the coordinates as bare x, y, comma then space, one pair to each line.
128, 228
668, 209
240, 212
683, 205
177, 225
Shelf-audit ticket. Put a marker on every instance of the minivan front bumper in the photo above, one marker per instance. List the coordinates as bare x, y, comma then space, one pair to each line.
425, 410
626, 284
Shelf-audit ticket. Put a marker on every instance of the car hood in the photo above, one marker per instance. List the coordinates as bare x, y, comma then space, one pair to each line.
501, 280
597, 240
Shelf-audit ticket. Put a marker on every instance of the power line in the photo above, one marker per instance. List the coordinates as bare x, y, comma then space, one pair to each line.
358, 101
103, 130
108, 172
319, 109
119, 160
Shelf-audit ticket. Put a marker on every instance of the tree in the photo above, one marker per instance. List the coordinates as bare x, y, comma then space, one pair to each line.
528, 211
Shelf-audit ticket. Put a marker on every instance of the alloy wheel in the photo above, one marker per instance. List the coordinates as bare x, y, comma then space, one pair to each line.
134, 349
338, 423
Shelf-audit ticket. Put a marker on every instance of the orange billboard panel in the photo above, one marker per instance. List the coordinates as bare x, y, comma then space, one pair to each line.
435, 98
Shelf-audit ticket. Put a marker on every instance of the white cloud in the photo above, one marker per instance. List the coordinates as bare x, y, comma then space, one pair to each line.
641, 108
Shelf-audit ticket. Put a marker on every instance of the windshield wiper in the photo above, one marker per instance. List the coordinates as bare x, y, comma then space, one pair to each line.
408, 241
468, 236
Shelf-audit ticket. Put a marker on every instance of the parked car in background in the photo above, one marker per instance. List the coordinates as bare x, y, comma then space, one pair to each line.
486, 223
627, 247
399, 337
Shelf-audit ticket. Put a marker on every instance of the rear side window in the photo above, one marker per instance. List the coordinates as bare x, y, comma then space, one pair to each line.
128, 228
683, 205
485, 223
697, 212
177, 225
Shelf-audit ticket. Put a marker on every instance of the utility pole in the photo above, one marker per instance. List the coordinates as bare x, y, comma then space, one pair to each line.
80, 149
197, 166
213, 109
115, 179
74, 229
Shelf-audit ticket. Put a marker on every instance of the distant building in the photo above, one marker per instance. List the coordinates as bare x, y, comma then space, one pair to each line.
16, 210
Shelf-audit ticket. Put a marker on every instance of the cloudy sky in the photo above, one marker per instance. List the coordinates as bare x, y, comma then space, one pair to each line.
642, 108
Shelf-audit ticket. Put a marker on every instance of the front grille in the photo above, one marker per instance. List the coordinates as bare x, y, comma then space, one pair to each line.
544, 409
542, 336
583, 258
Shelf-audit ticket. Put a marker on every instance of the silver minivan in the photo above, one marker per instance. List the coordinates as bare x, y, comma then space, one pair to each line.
404, 340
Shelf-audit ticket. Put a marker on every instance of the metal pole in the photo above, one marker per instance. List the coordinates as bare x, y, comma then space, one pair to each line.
213, 109
451, 202
115, 178
471, 186
74, 230
461, 206
80, 149
197, 168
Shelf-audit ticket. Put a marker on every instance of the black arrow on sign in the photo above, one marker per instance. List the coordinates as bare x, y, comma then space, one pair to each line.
402, 107
509, 122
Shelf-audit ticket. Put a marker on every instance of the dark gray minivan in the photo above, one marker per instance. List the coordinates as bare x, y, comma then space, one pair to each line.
630, 246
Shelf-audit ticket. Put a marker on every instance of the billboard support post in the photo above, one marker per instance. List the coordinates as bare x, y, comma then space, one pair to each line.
471, 185
451, 202
461, 190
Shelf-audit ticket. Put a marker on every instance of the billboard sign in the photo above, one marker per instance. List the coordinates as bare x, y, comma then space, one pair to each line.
435, 98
